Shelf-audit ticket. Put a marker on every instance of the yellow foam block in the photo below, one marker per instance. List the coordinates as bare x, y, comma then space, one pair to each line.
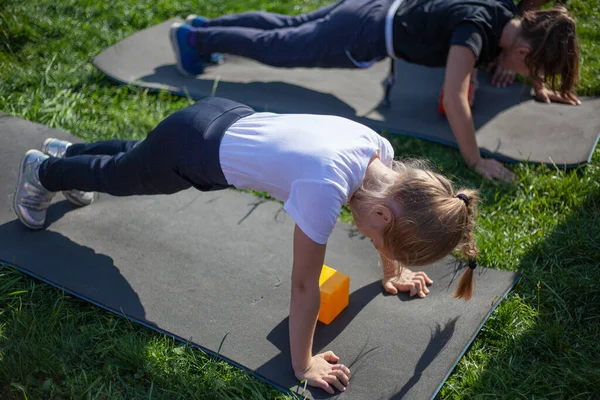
335, 293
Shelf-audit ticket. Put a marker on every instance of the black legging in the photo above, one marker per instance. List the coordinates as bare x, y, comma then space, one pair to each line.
181, 152
322, 38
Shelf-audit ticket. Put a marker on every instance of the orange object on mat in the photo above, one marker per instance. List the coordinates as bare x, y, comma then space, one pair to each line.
335, 293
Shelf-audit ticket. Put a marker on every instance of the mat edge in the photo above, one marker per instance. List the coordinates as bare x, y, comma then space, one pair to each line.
470, 342
146, 325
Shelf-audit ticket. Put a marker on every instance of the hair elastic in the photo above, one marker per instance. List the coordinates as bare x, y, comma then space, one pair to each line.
472, 263
464, 198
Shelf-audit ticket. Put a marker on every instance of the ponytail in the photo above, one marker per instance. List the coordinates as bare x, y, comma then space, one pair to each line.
464, 289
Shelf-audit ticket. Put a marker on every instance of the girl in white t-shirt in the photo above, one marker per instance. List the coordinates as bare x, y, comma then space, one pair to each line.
315, 164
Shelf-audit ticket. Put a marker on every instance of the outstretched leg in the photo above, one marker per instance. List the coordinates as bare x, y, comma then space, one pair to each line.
62, 148
117, 167
320, 43
348, 34
181, 152
105, 147
175, 155
349, 26
267, 21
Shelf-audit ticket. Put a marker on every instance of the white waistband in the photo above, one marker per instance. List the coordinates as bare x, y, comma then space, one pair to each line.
389, 23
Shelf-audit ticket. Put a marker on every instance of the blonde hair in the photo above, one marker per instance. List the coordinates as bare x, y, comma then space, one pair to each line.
433, 220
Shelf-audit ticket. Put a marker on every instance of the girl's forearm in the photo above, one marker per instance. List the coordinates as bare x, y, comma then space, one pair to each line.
304, 310
306, 298
461, 121
459, 70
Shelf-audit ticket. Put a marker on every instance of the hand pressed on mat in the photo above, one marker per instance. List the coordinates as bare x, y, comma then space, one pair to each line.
492, 170
501, 75
545, 95
323, 374
415, 283
399, 279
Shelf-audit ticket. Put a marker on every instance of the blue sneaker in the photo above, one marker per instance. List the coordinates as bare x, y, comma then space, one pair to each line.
198, 22
189, 62
195, 21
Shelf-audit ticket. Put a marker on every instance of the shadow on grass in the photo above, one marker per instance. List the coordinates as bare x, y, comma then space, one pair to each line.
547, 338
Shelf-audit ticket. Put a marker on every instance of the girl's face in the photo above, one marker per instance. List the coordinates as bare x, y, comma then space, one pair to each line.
514, 58
372, 224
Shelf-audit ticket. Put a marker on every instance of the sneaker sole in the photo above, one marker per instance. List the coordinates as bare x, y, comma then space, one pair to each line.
173, 37
16, 197
73, 200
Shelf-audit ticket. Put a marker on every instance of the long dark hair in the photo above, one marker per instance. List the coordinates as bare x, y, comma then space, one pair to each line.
555, 47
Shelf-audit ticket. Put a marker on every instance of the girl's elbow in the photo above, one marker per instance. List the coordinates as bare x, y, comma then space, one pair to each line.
452, 98
449, 100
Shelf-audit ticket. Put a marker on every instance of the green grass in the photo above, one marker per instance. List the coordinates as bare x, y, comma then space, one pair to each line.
542, 342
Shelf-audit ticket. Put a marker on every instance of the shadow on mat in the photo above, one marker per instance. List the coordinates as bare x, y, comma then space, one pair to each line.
440, 336
324, 335
61, 262
265, 96
414, 100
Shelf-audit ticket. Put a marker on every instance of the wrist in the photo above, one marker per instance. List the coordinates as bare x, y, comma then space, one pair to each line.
473, 162
389, 266
538, 86
391, 272
301, 368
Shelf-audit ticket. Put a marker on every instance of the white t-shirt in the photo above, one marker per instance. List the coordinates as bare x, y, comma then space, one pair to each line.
313, 163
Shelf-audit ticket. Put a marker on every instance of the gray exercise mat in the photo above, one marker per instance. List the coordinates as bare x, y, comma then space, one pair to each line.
510, 125
205, 267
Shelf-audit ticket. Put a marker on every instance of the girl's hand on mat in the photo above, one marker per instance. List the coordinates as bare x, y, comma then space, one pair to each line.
546, 96
415, 283
323, 374
501, 76
492, 169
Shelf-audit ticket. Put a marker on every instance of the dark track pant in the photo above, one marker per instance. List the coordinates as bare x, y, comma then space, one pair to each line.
323, 38
181, 152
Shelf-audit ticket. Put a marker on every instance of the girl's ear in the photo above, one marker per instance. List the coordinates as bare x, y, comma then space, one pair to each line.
521, 48
522, 51
384, 214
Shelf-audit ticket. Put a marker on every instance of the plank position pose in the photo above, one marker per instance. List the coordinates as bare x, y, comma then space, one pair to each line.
315, 164
460, 35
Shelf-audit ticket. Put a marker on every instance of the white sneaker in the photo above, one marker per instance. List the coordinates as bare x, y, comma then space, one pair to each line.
32, 199
58, 148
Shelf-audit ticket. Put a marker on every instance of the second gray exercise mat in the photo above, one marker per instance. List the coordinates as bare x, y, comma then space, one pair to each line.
510, 125
211, 266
